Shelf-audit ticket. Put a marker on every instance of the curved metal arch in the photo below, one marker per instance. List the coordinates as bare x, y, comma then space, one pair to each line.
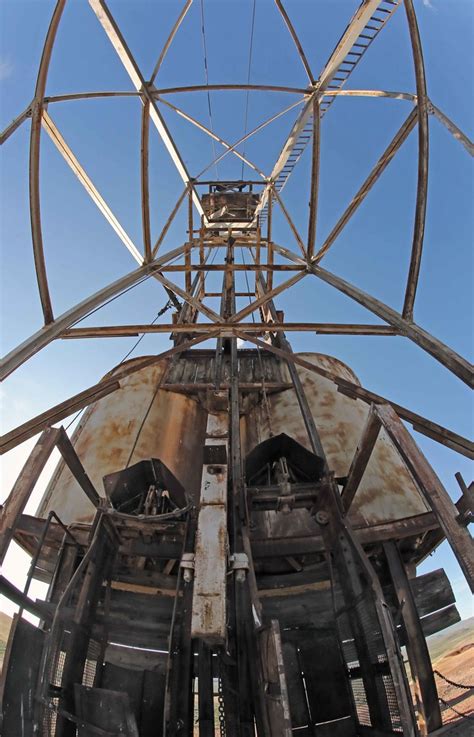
427, 342
423, 160
35, 138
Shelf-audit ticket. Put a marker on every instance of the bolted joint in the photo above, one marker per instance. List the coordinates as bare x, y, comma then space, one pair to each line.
322, 517
239, 564
187, 564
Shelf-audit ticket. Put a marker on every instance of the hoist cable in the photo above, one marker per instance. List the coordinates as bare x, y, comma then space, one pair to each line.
206, 71
248, 80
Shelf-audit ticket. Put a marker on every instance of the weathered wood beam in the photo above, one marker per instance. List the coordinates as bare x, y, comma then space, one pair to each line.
420, 424
441, 352
89, 186
432, 489
314, 189
24, 485
144, 180
296, 41
266, 297
387, 156
426, 695
423, 154
46, 334
125, 331
118, 42
169, 40
452, 128
11, 128
74, 464
361, 457
97, 391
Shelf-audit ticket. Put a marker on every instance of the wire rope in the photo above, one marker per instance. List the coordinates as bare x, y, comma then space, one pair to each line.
206, 72
248, 80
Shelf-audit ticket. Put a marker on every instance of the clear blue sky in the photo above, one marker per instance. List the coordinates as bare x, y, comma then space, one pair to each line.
83, 253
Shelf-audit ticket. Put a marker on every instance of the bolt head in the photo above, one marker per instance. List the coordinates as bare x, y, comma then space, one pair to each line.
322, 517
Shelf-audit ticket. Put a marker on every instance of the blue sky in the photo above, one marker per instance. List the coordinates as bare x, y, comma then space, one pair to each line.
83, 253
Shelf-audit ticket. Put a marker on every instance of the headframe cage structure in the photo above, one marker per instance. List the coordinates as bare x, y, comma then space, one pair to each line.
223, 227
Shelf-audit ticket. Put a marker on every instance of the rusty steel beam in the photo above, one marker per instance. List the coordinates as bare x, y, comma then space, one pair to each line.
387, 156
458, 365
423, 156
53, 330
296, 41
35, 137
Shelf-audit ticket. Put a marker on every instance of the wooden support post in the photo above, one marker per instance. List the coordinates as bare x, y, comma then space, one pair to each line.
361, 458
23, 487
426, 695
75, 466
269, 239
432, 489
189, 245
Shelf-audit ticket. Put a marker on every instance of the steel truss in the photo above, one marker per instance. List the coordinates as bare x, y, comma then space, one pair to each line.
197, 322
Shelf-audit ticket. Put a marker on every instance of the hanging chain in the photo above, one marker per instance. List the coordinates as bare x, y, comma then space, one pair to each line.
221, 708
452, 683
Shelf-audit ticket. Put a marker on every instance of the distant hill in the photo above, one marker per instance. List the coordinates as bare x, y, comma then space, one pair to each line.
455, 636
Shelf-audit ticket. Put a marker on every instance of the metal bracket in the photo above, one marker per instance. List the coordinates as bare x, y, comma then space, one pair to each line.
239, 563
187, 564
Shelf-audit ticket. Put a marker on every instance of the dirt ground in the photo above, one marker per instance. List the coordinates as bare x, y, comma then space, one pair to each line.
457, 666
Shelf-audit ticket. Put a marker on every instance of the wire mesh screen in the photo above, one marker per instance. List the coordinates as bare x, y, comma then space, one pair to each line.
360, 618
90, 666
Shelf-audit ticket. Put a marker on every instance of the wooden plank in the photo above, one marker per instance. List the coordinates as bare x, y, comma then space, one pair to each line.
432, 490
19, 678
424, 686
361, 458
75, 466
23, 487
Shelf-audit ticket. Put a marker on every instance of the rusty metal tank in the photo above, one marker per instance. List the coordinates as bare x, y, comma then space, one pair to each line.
143, 420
